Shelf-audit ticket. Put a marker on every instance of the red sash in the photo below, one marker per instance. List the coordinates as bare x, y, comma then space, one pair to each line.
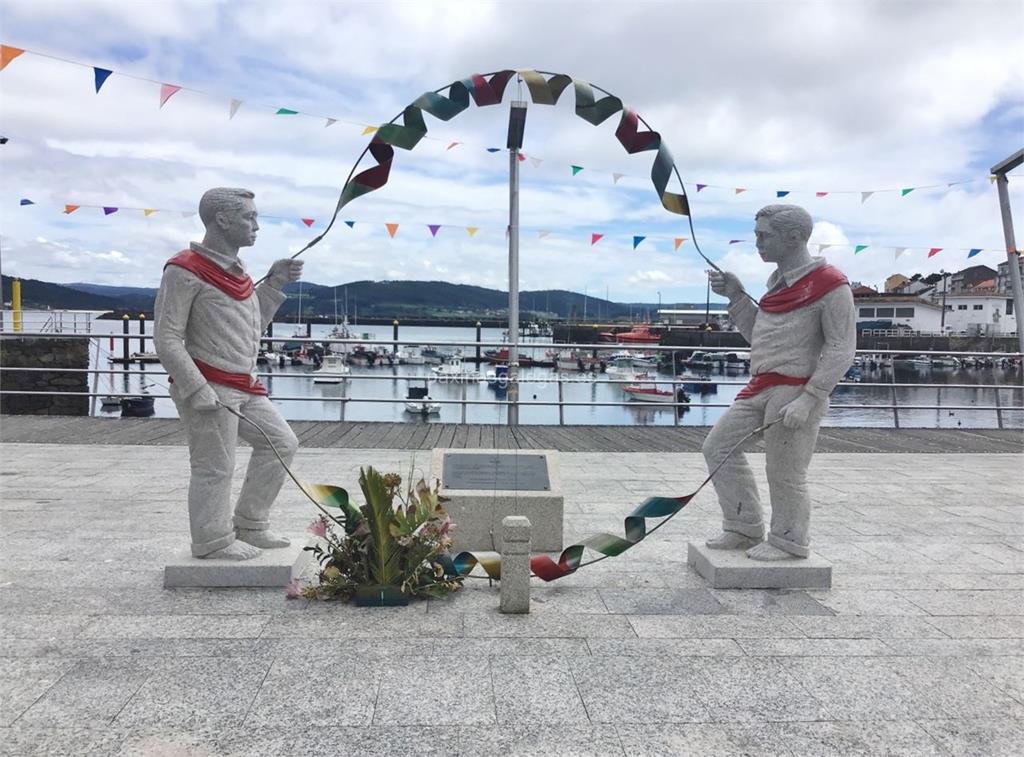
804, 291
241, 381
761, 381
237, 287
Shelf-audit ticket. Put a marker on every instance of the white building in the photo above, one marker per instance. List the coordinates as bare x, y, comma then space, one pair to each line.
693, 317
900, 310
979, 313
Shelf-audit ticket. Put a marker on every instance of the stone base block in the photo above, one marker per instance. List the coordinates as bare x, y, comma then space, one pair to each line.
732, 569
274, 568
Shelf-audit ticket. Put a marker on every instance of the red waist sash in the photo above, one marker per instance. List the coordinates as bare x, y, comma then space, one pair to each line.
240, 381
804, 291
237, 287
761, 381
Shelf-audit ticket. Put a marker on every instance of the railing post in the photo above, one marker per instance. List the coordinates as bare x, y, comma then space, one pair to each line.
895, 402
463, 384
394, 336
999, 409
675, 402
142, 332
478, 331
124, 340
561, 398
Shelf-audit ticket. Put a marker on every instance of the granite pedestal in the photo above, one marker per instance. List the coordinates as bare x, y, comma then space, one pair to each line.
273, 567
732, 569
483, 486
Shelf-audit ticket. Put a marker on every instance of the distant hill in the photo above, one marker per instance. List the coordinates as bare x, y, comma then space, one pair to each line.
435, 299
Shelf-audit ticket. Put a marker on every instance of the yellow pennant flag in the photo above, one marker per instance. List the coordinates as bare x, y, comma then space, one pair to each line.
7, 54
369, 130
148, 212
678, 241
392, 228
472, 230
69, 209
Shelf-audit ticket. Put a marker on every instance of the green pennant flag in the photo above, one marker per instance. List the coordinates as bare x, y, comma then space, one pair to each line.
905, 192
286, 112
576, 169
859, 248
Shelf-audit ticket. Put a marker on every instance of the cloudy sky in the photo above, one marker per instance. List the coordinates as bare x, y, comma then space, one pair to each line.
840, 97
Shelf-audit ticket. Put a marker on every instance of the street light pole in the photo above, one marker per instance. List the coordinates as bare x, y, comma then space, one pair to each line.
658, 315
516, 125
1012, 256
942, 321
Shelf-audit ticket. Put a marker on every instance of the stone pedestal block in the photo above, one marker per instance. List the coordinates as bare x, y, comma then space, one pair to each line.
274, 567
732, 569
483, 486
515, 564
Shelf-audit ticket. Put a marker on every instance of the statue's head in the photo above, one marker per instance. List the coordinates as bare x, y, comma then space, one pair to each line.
781, 230
230, 214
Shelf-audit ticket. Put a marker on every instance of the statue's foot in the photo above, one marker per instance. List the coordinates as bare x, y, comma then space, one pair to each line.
732, 540
236, 550
262, 539
766, 552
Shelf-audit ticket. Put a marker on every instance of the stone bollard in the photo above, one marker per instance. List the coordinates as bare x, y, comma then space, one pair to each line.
515, 564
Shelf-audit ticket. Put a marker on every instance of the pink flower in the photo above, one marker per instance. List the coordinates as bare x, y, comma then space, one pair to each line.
318, 527
293, 590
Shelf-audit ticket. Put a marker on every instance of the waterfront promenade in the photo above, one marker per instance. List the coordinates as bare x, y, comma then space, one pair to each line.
917, 649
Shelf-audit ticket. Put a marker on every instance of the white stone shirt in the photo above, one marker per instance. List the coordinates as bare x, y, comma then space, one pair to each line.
195, 319
817, 340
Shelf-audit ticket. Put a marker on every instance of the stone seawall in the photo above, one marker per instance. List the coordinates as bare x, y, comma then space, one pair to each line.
40, 352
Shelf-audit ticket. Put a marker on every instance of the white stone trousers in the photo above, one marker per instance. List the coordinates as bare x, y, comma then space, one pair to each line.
788, 452
212, 439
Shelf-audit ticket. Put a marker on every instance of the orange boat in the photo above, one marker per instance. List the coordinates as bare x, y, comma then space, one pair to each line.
640, 334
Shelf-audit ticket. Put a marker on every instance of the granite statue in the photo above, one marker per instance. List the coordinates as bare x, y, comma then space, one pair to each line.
802, 336
208, 321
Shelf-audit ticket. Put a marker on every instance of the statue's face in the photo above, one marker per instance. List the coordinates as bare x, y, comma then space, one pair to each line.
239, 226
772, 245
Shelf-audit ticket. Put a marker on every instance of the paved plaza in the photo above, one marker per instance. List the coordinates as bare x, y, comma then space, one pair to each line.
918, 648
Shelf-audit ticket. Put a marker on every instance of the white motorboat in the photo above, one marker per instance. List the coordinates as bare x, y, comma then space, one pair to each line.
945, 361
411, 355
453, 369
737, 361
333, 370
418, 401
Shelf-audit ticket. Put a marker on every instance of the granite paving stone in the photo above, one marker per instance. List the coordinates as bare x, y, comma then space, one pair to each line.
92, 691
540, 740
310, 693
460, 692
22, 682
538, 690
991, 738
662, 601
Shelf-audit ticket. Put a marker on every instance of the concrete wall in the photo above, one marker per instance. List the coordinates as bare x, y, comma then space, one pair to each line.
39, 352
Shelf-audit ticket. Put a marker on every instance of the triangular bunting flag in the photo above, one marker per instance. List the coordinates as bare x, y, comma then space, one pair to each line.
934, 251
452, 145
859, 248
350, 224
734, 241
905, 192
286, 112
472, 230
69, 209
739, 190
637, 240
7, 54
307, 221
369, 130
493, 149
678, 241
782, 193
235, 105
521, 157
898, 251
147, 212
991, 179
616, 177
820, 194
542, 234
864, 197
701, 186
109, 211
576, 169
595, 238
392, 228
166, 92
433, 228
101, 74
823, 247
536, 162
974, 251
26, 201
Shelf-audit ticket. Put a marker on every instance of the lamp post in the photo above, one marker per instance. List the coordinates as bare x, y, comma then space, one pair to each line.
516, 125
1012, 256
942, 322
659, 308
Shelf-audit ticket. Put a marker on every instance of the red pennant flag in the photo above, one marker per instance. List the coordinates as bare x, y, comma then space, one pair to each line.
453, 145
392, 228
820, 194
7, 54
521, 157
934, 251
69, 209
678, 241
595, 238
166, 92
307, 221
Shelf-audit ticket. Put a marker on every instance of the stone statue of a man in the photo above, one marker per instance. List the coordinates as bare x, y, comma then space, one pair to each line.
802, 337
208, 322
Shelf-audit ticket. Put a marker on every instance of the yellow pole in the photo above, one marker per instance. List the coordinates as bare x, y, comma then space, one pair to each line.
16, 303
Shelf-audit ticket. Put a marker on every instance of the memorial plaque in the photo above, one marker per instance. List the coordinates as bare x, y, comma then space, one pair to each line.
496, 472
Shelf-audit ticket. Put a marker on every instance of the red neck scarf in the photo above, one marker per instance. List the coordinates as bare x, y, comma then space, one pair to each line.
237, 287
804, 291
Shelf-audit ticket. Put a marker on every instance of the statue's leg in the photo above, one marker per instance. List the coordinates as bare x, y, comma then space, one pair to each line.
734, 483
265, 474
788, 453
212, 437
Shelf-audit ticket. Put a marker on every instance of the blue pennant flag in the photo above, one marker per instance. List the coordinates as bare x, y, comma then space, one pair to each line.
974, 252
350, 224
637, 240
493, 149
782, 193
26, 201
101, 76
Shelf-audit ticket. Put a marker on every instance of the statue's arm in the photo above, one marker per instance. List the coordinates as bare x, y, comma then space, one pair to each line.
839, 327
743, 313
178, 288
270, 300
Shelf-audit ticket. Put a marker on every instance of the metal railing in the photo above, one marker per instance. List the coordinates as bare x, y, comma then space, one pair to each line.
560, 379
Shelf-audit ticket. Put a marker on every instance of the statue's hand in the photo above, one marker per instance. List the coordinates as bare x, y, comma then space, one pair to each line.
725, 283
283, 271
205, 400
796, 413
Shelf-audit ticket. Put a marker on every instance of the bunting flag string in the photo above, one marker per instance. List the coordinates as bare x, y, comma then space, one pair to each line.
101, 75
434, 229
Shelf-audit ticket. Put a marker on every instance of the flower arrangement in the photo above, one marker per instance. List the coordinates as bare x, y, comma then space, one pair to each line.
381, 553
